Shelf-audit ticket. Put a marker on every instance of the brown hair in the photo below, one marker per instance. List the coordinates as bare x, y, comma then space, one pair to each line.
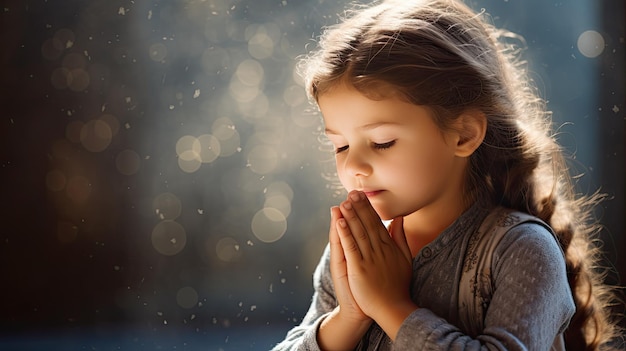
440, 54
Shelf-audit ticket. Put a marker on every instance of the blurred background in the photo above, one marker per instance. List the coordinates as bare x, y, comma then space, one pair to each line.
163, 186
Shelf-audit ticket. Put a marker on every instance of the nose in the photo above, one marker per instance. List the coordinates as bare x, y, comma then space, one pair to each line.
357, 163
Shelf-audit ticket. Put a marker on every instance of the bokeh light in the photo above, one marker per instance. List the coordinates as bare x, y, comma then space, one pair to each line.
261, 43
227, 249
167, 206
207, 147
224, 130
269, 225
279, 195
158, 52
262, 159
187, 297
96, 135
590, 43
176, 157
169, 238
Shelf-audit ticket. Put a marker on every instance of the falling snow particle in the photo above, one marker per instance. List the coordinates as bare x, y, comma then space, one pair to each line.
121, 11
196, 93
615, 109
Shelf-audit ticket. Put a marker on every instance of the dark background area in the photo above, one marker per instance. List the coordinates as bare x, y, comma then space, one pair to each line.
162, 183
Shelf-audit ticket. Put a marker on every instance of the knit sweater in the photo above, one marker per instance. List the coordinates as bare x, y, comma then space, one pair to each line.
531, 304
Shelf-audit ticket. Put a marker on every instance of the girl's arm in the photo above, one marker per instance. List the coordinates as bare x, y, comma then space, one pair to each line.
334, 320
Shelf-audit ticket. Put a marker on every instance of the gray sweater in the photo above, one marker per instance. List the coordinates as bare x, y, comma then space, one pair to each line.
530, 307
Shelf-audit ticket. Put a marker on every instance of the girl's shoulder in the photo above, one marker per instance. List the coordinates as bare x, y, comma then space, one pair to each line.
510, 233
519, 234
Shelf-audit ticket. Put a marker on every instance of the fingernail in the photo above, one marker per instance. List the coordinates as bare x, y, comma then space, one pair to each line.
355, 196
347, 205
342, 223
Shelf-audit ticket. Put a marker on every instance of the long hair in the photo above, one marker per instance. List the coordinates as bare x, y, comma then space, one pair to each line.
441, 54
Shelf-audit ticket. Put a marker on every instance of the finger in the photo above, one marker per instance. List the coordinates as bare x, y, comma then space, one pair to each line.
337, 258
354, 228
369, 217
351, 249
396, 231
335, 214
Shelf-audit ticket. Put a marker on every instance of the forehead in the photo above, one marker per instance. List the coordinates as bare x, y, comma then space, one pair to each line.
344, 108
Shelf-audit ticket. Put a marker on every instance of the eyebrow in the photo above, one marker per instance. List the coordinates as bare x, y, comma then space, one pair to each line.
368, 126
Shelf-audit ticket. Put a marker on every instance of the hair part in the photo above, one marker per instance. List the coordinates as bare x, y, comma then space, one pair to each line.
442, 55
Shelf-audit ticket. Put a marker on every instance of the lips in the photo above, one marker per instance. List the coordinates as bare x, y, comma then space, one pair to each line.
371, 193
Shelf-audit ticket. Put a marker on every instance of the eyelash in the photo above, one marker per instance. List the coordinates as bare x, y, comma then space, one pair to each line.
377, 146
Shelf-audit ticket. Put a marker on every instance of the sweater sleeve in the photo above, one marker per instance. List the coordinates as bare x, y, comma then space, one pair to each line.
304, 336
530, 307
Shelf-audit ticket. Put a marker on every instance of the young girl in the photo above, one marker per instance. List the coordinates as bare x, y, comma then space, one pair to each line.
436, 128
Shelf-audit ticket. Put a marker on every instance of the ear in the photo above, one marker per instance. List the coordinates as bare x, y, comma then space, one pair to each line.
472, 126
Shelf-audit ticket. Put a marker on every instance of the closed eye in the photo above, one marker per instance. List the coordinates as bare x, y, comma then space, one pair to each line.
378, 146
341, 149
384, 146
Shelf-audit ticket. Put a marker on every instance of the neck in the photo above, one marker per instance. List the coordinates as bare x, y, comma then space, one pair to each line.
424, 225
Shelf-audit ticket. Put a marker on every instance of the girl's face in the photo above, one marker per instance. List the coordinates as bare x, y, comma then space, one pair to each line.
394, 152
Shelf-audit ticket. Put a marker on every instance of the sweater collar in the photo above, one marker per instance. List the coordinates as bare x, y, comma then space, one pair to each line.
466, 223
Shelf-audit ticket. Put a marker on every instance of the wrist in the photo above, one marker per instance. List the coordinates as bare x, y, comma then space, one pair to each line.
348, 317
341, 331
394, 315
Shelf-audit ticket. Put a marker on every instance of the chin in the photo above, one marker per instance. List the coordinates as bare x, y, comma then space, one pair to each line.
385, 214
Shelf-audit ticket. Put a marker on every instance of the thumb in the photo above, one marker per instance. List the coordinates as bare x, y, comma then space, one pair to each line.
396, 230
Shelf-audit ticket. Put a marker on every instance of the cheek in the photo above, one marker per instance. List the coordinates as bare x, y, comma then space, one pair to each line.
430, 165
343, 178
